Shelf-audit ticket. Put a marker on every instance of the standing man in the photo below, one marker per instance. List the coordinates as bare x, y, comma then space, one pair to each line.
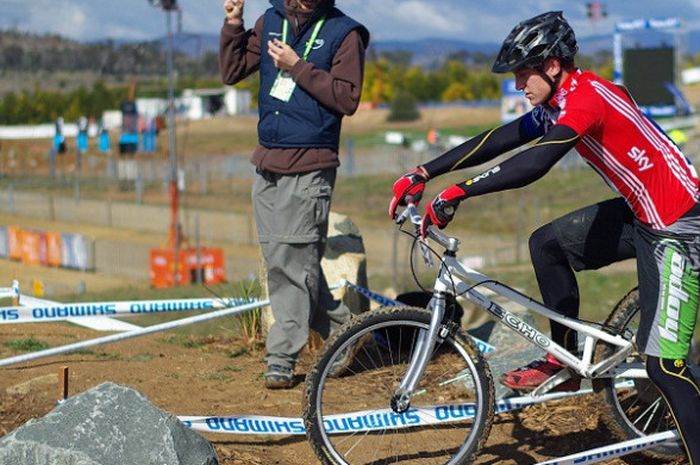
656, 217
311, 60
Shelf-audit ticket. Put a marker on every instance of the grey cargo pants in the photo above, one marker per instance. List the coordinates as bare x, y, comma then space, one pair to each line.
291, 213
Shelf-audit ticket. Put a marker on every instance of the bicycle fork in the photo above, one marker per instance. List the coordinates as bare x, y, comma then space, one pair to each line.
423, 350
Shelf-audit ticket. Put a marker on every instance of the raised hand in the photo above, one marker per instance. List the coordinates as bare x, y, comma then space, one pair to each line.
234, 11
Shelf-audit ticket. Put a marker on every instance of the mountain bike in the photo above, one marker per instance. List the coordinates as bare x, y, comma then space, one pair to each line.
418, 391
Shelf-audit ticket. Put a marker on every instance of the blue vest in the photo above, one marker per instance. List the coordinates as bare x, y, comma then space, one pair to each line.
303, 121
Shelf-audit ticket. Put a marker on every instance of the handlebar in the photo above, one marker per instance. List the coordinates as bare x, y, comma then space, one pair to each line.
411, 213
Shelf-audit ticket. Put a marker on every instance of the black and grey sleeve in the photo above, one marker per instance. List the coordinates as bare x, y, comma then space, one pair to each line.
525, 167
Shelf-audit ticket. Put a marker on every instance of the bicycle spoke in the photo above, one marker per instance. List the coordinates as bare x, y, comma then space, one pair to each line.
441, 421
653, 407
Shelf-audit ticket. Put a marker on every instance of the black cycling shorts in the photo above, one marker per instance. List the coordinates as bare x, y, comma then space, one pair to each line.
668, 264
597, 235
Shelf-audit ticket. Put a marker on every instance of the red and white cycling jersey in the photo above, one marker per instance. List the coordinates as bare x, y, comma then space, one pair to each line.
628, 150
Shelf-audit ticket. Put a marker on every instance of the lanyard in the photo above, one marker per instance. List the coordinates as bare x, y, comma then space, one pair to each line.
312, 39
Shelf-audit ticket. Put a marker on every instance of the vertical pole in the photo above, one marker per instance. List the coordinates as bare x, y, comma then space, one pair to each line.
395, 260
350, 160
617, 57
15, 292
174, 222
200, 270
62, 384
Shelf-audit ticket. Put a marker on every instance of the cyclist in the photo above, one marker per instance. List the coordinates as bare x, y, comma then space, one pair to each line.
656, 218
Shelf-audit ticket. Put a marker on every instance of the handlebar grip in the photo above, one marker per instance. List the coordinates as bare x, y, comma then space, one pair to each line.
411, 212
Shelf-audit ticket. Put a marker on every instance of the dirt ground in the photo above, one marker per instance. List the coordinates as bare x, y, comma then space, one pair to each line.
202, 375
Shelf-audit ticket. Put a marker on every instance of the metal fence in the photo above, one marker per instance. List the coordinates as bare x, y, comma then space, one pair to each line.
214, 225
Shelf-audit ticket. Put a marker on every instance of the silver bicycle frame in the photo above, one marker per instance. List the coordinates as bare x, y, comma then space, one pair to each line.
454, 278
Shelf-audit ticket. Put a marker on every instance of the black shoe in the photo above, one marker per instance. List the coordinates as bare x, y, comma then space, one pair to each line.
343, 362
279, 377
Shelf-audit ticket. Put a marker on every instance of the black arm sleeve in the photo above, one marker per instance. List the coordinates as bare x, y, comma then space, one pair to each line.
525, 167
480, 149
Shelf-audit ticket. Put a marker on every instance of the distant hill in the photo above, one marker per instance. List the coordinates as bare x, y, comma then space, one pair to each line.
432, 51
429, 50
424, 51
196, 55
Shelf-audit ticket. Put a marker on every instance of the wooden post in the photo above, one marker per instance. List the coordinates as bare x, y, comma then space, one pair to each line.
62, 383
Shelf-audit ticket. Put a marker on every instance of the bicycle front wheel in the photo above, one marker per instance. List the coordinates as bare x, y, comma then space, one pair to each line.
349, 418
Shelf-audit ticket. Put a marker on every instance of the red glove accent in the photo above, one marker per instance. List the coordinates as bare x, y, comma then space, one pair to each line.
408, 188
442, 209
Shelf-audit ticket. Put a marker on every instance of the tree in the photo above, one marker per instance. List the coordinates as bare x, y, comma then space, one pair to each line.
403, 107
457, 91
400, 58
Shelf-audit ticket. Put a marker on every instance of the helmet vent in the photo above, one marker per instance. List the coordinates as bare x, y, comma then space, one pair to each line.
534, 40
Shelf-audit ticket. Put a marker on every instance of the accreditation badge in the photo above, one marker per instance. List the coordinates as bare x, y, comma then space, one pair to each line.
283, 87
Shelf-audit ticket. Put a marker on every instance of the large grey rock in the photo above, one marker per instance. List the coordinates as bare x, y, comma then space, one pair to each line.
345, 258
107, 425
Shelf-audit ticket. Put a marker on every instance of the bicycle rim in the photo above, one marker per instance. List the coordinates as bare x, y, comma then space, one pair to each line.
635, 406
450, 413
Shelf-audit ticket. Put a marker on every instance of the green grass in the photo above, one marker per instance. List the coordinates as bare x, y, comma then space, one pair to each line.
600, 290
237, 352
183, 341
374, 139
142, 358
28, 344
101, 355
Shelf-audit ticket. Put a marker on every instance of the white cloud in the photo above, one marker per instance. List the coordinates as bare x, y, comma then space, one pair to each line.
429, 16
386, 19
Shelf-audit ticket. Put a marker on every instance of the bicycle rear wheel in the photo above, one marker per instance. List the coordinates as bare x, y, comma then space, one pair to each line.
349, 419
635, 407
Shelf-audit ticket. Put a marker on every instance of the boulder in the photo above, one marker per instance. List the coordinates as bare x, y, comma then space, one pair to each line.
110, 424
345, 258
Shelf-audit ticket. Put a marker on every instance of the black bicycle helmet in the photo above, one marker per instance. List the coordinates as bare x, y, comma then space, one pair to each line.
534, 40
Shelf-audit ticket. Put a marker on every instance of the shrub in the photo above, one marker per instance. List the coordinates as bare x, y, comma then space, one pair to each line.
403, 107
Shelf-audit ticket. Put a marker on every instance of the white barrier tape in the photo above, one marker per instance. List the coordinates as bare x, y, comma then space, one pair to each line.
7, 292
373, 420
132, 334
369, 420
76, 311
31, 301
98, 323
61, 311
10, 291
616, 450
483, 346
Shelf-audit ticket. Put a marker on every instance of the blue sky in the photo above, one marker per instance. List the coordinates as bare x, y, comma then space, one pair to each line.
474, 21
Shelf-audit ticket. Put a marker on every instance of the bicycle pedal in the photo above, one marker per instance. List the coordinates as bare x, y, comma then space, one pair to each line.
552, 383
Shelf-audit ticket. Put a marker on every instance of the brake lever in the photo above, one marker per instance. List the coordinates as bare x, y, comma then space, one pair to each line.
401, 219
425, 250
412, 212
